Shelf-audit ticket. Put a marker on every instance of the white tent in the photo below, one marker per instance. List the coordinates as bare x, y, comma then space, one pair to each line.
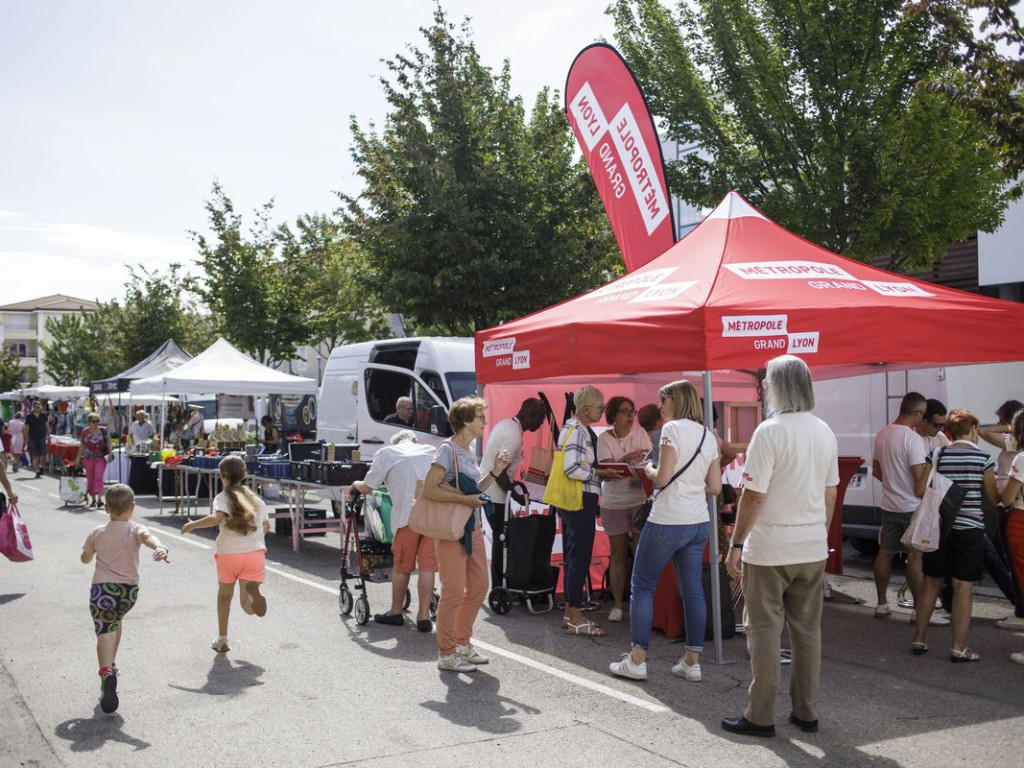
53, 392
223, 369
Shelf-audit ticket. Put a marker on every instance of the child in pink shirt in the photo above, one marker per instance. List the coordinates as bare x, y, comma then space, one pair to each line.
115, 581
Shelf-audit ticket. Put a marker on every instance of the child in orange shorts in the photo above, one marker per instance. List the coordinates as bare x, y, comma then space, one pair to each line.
241, 548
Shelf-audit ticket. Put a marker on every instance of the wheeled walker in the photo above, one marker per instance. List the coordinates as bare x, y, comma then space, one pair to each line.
363, 560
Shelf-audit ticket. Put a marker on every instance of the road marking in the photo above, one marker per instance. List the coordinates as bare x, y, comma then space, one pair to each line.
192, 541
300, 580
571, 678
526, 661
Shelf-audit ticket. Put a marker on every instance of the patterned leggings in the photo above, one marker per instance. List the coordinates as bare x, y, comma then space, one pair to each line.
109, 602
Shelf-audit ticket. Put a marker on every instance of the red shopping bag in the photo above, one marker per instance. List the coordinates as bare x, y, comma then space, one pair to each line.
14, 540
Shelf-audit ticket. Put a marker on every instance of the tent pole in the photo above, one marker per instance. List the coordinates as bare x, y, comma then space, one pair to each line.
716, 586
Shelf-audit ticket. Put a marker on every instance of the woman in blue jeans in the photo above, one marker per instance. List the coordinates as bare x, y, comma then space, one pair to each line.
676, 530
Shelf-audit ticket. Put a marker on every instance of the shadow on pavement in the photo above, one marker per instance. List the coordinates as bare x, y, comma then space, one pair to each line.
90, 733
393, 643
4, 599
226, 678
473, 700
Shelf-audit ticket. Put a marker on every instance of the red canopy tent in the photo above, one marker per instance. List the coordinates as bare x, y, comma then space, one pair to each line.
737, 291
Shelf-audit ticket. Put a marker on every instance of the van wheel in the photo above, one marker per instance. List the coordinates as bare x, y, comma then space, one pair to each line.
867, 547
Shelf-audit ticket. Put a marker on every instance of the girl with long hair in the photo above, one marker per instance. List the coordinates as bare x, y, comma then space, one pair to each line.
241, 548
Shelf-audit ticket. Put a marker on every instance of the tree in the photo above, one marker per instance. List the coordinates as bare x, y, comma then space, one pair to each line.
339, 307
822, 114
10, 369
251, 305
470, 213
156, 309
66, 357
85, 347
991, 57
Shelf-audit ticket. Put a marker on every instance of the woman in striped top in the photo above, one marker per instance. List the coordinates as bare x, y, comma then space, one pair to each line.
961, 552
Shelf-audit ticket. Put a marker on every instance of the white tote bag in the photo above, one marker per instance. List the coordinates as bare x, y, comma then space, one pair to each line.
922, 535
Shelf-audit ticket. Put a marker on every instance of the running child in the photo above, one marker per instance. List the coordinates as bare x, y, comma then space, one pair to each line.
115, 581
241, 549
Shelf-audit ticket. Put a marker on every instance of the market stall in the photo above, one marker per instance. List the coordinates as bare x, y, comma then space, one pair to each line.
224, 370
737, 291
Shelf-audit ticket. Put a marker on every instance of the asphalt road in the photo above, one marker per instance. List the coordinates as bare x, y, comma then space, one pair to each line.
307, 687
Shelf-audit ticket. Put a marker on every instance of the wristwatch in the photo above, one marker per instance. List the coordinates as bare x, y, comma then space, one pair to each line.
736, 545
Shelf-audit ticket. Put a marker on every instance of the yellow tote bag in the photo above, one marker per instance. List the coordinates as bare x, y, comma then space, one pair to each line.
562, 491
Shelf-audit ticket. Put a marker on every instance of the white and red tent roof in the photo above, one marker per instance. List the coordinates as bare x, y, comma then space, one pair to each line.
739, 290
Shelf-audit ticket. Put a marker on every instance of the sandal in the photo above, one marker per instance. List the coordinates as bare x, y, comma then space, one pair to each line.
919, 648
586, 627
965, 655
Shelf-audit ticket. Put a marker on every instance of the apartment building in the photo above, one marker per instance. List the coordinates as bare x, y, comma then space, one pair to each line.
23, 330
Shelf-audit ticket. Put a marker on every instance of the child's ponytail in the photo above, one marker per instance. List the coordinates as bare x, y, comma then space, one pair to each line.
242, 502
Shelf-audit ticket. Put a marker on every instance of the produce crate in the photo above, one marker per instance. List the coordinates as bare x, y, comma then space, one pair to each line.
283, 525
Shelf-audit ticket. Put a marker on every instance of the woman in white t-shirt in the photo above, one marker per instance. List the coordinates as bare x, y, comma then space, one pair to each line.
1013, 499
676, 530
241, 548
1001, 436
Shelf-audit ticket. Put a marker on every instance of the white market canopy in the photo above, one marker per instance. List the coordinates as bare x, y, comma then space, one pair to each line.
224, 370
52, 392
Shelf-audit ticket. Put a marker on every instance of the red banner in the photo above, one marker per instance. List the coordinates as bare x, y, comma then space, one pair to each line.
615, 131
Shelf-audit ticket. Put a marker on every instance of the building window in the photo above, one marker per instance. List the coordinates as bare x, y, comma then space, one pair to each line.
19, 322
21, 350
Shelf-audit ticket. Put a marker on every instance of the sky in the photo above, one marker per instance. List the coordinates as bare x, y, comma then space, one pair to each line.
116, 118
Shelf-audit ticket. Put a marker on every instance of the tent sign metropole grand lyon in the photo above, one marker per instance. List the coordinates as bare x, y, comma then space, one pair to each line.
737, 291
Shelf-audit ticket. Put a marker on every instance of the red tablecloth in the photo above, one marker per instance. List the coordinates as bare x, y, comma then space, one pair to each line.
66, 451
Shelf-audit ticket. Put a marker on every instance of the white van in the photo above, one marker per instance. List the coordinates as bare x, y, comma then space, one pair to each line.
363, 381
856, 408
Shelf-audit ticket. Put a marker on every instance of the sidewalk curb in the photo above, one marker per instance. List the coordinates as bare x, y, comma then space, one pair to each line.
24, 743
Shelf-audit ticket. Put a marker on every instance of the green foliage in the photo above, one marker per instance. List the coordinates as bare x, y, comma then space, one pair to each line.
250, 305
157, 309
471, 214
991, 57
339, 308
10, 369
821, 114
67, 357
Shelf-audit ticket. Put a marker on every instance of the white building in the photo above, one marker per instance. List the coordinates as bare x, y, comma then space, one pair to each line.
23, 330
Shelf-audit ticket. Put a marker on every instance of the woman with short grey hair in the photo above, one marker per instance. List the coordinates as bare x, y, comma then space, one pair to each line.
780, 544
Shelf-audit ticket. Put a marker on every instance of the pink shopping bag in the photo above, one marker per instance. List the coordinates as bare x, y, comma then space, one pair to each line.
14, 540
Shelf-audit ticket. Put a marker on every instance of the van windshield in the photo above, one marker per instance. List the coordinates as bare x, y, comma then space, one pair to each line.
461, 383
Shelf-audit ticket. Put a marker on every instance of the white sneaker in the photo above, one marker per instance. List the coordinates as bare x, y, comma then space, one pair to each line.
455, 663
687, 672
1017, 658
220, 644
1011, 622
934, 621
882, 611
615, 614
471, 654
628, 668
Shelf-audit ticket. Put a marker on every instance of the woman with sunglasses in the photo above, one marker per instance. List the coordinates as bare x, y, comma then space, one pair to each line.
579, 444
620, 498
93, 454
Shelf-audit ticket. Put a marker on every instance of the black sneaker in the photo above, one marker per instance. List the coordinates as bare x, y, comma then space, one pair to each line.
39, 473
394, 619
108, 701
